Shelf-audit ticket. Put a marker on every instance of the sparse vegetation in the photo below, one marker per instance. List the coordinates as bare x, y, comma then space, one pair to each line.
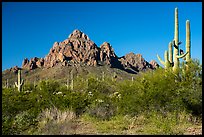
156, 102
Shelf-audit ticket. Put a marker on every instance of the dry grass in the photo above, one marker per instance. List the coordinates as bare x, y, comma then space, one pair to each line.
54, 122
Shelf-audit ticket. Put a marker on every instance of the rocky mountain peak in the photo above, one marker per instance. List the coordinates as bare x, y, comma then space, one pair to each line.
77, 34
107, 54
107, 47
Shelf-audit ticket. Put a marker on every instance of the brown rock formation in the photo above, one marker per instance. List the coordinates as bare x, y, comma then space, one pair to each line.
78, 48
107, 54
134, 61
14, 69
33, 63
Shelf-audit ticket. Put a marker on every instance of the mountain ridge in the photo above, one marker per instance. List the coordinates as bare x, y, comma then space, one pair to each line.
79, 49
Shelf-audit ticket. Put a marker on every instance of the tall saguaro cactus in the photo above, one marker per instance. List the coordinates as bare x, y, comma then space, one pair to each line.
176, 44
20, 82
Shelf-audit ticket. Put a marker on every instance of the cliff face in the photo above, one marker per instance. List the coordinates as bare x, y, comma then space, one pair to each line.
79, 49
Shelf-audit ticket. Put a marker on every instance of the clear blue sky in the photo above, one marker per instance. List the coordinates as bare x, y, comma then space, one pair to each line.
29, 29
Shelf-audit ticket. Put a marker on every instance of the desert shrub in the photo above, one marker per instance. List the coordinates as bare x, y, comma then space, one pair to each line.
28, 87
77, 102
49, 86
96, 86
191, 87
101, 105
24, 121
102, 108
130, 102
17, 109
160, 90
80, 84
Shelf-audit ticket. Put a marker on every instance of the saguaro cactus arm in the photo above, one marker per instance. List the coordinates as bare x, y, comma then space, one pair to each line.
166, 63
181, 56
170, 52
161, 61
22, 81
16, 84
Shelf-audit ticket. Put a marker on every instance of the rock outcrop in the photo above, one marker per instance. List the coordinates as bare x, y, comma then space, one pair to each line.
14, 69
33, 63
134, 61
107, 54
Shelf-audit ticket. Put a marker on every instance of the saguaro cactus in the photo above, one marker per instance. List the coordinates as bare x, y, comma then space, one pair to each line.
166, 62
188, 42
20, 82
176, 44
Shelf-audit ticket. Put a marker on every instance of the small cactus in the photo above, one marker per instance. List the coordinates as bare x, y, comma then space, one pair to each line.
67, 84
20, 82
132, 79
103, 76
6, 84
